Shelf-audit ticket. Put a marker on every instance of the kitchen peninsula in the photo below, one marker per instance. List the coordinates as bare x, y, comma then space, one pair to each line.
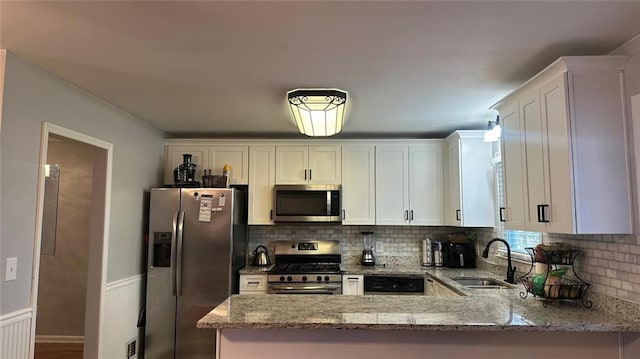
482, 323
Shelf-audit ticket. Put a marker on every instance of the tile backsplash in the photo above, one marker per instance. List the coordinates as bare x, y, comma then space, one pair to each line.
611, 263
400, 245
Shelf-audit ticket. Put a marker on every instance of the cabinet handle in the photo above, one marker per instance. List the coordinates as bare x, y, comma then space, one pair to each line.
271, 214
406, 215
542, 217
352, 278
502, 214
343, 214
411, 216
305, 175
457, 214
309, 174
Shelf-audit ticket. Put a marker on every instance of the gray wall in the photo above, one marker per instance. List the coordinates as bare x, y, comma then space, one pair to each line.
62, 287
32, 96
632, 70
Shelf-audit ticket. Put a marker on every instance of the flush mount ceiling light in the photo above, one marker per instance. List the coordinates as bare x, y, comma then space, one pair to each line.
318, 112
493, 131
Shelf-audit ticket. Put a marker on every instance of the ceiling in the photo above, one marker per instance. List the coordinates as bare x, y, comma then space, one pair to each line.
418, 69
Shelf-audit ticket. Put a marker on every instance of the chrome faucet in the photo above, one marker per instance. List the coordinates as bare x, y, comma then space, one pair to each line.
511, 271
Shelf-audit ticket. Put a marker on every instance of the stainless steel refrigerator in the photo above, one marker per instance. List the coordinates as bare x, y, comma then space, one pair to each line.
197, 244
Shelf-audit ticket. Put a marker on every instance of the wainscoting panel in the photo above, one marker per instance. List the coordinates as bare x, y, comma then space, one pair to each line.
15, 331
123, 300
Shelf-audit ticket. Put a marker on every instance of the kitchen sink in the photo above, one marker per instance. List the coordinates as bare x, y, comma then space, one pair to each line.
481, 283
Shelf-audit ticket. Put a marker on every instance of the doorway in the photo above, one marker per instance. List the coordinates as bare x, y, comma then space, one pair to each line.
70, 255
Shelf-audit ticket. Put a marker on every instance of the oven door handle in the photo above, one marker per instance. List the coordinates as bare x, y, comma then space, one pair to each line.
303, 288
296, 291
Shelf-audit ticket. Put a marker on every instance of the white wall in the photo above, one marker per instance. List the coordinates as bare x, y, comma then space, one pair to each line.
121, 316
32, 96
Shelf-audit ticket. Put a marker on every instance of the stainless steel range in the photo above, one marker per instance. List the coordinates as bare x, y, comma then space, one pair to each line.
306, 267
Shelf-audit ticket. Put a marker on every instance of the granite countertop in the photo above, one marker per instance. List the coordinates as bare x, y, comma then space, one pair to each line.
251, 269
478, 309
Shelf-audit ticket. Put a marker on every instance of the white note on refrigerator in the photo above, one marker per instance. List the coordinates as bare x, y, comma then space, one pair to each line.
205, 209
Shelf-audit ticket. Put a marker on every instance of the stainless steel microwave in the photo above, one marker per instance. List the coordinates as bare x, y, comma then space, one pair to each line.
307, 203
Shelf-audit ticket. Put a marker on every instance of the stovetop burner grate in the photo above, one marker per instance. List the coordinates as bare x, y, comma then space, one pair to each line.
306, 268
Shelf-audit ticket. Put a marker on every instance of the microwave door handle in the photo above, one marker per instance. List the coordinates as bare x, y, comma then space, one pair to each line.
328, 203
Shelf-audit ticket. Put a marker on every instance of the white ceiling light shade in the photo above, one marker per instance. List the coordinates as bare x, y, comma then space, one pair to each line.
318, 112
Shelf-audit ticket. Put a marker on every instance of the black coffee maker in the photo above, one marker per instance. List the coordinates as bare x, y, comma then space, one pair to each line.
459, 255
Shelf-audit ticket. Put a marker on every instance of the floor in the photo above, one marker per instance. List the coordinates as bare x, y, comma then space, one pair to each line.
58, 351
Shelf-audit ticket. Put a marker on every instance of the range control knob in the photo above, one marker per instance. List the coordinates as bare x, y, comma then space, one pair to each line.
282, 278
326, 278
319, 278
304, 278
289, 278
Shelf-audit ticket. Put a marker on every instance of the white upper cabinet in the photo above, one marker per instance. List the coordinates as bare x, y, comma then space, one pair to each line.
235, 156
358, 185
392, 185
512, 142
209, 157
568, 127
469, 181
425, 185
409, 184
308, 165
262, 178
174, 157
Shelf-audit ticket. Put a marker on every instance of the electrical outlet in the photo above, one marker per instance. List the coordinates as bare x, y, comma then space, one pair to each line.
132, 349
379, 247
11, 269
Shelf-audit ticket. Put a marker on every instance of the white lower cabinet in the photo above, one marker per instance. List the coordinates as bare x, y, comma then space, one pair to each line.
434, 288
353, 284
253, 283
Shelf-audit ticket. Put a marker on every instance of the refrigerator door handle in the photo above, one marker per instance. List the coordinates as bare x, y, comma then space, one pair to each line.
174, 231
179, 235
